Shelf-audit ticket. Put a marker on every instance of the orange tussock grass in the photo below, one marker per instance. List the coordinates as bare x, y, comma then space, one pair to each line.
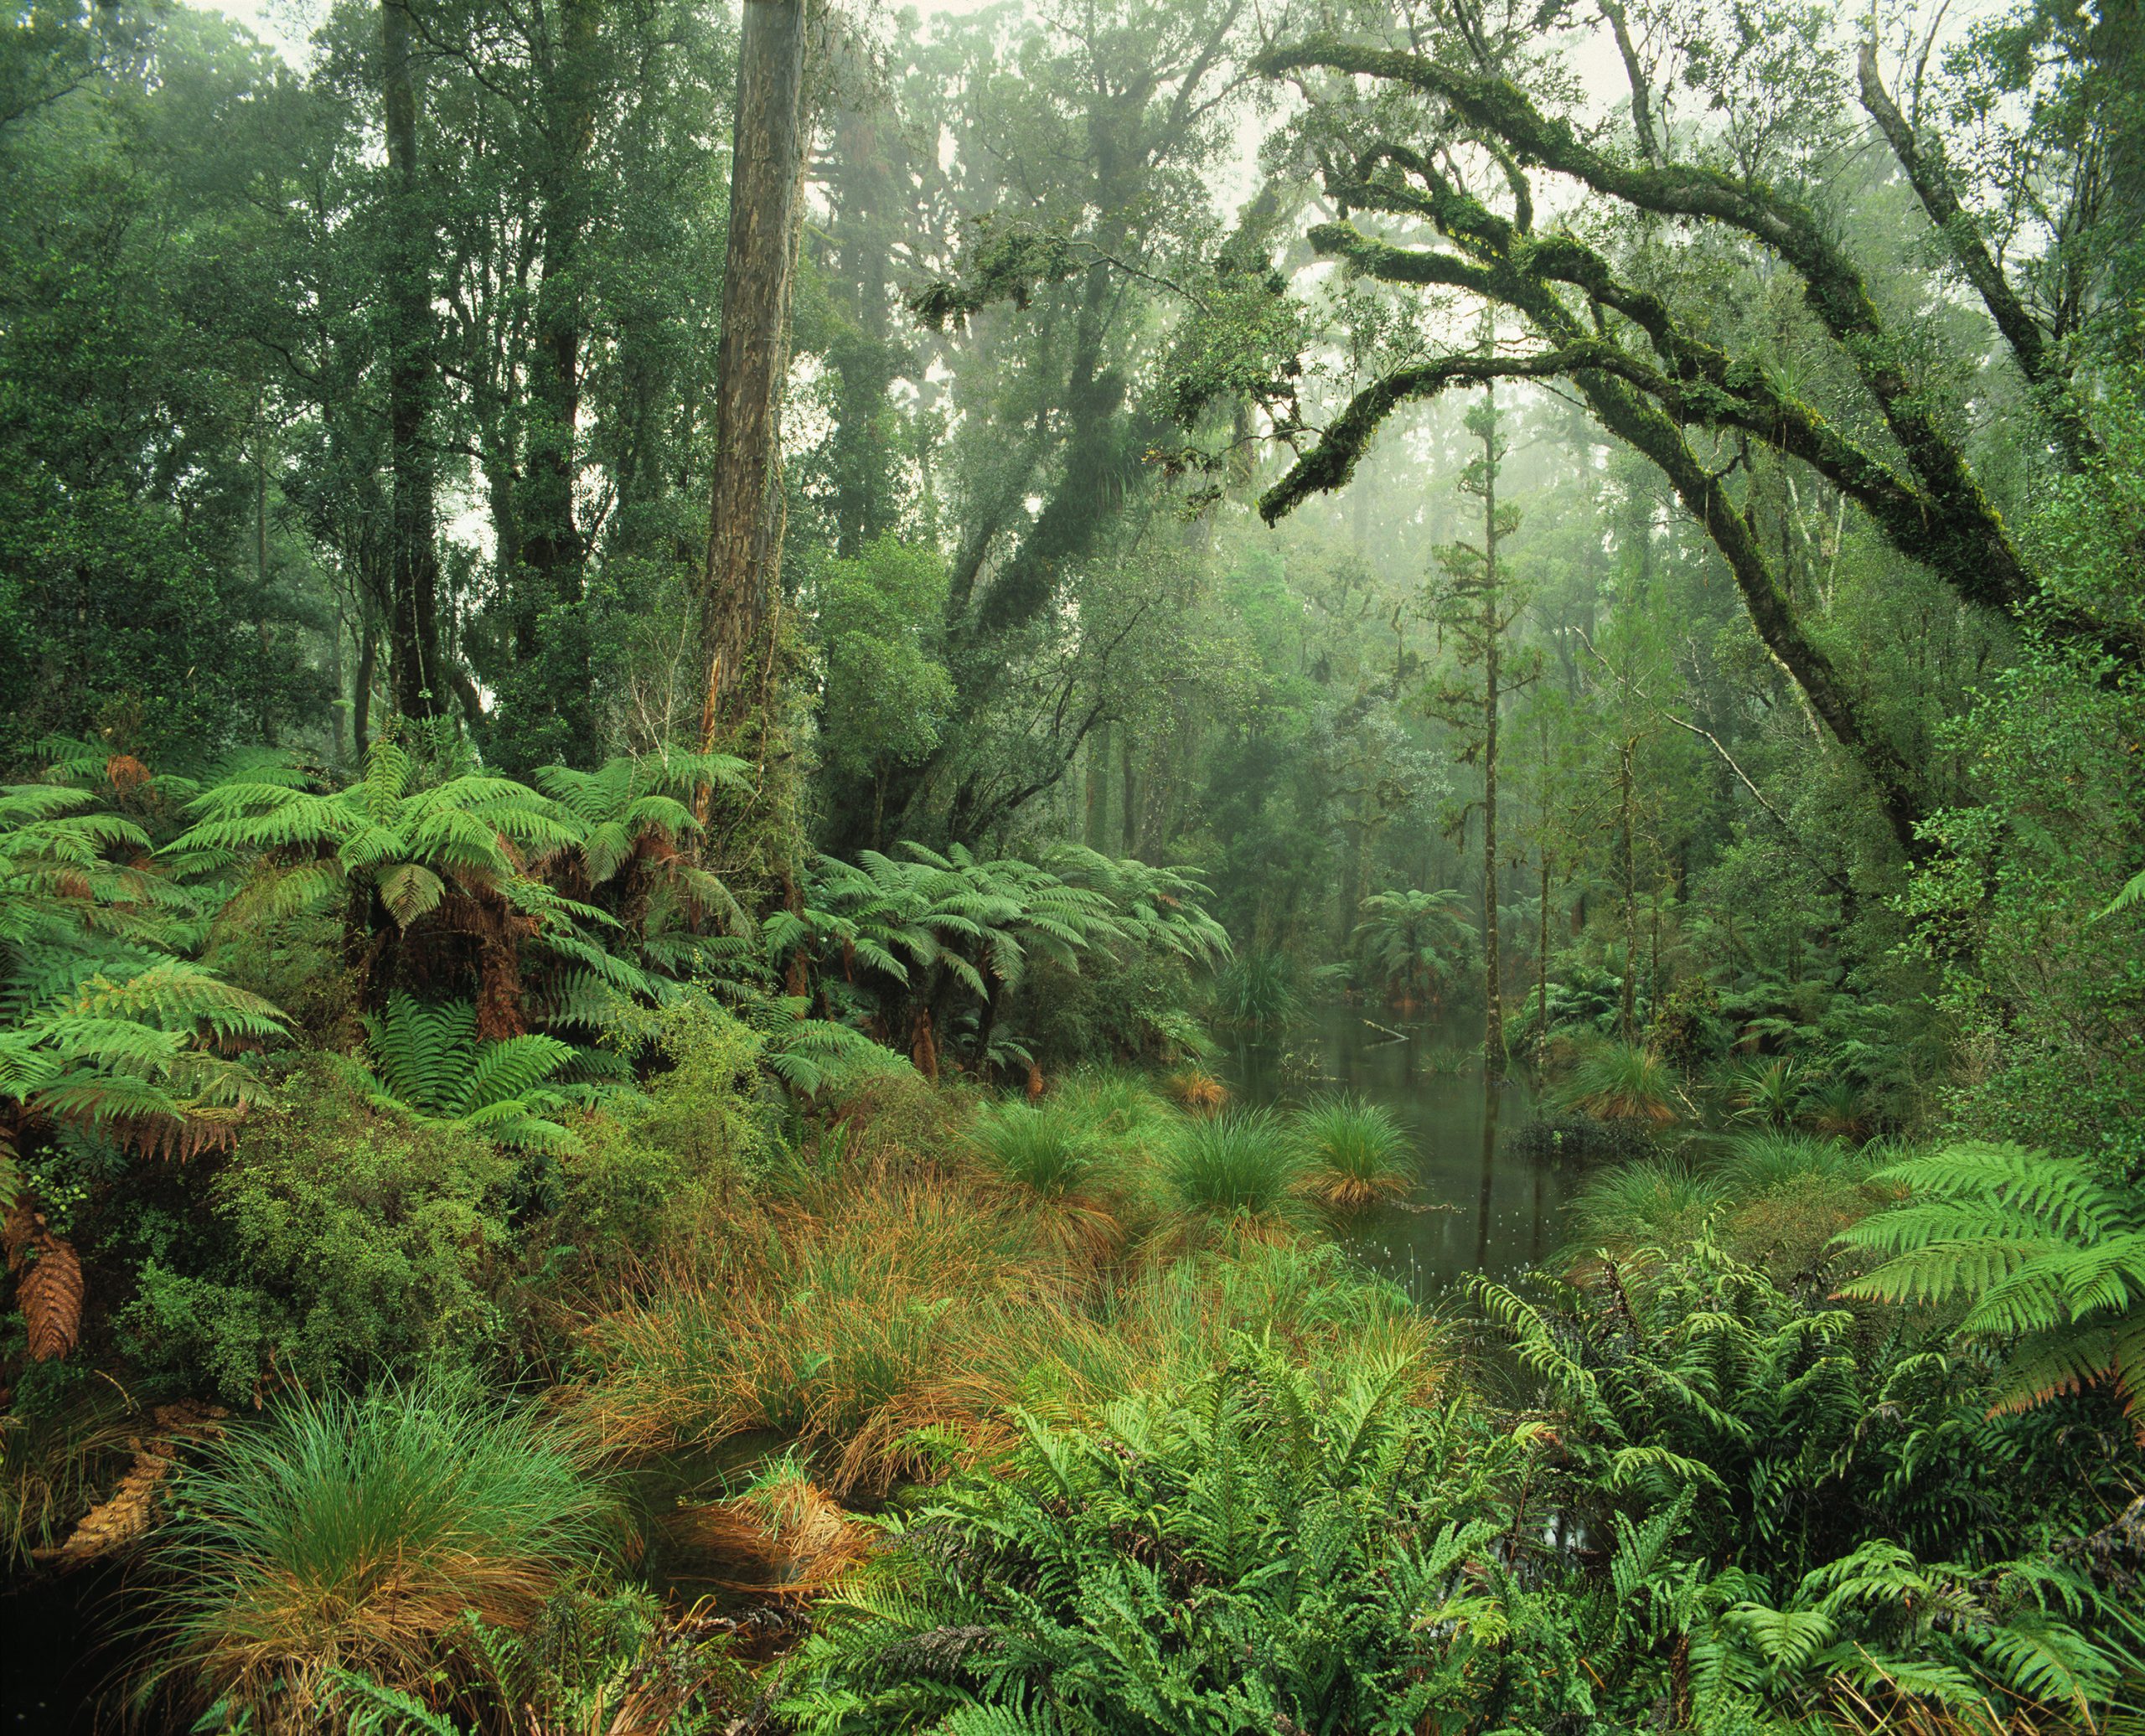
787, 1538
1198, 1091
900, 1306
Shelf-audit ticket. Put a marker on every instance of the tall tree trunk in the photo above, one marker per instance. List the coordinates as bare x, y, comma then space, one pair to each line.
739, 581
1492, 630
1097, 789
1130, 776
413, 624
548, 578
361, 692
1627, 1016
1541, 968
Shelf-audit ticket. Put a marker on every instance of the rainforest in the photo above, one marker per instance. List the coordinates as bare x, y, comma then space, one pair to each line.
1073, 867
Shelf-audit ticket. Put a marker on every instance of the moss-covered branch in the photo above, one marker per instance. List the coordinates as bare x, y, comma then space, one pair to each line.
1635, 401
1333, 458
1940, 202
1497, 108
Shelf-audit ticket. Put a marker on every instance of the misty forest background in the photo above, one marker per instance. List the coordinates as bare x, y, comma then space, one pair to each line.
680, 684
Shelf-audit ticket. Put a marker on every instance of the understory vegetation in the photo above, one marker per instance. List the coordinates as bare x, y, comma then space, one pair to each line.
1107, 868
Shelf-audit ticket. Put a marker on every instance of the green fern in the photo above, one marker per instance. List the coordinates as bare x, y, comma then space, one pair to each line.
416, 861
1264, 1552
2048, 1260
428, 1060
953, 936
103, 1025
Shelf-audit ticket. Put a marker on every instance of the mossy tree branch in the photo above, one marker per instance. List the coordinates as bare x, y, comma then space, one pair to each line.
1635, 401
1931, 181
1496, 108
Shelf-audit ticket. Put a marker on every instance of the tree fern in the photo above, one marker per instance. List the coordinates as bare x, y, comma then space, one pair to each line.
416, 861
2048, 1261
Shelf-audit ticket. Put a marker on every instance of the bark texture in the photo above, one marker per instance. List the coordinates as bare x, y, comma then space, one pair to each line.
740, 579
413, 580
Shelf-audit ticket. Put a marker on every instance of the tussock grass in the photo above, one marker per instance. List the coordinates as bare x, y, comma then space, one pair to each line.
1776, 1199
1197, 1092
1126, 1114
1059, 1166
1767, 1090
1357, 1152
892, 1329
1767, 1163
889, 1308
1653, 1201
1236, 1173
354, 1531
1623, 1082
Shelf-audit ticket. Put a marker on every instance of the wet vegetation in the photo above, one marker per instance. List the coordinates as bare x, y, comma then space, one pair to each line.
707, 711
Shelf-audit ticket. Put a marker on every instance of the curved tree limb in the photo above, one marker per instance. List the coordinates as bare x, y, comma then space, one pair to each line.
1940, 201
1832, 285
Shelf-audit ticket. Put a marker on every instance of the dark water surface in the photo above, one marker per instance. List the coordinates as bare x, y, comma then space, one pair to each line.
1483, 1200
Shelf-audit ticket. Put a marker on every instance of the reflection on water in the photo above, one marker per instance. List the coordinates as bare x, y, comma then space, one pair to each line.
1481, 1202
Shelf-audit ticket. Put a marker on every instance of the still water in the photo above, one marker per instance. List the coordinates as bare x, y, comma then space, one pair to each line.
1483, 1200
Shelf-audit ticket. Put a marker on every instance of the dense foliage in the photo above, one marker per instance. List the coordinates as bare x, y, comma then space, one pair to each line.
704, 712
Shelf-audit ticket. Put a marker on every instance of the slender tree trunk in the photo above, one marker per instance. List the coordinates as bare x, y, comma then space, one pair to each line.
548, 578
1541, 968
739, 581
1098, 789
1628, 1014
1128, 779
1492, 629
413, 626
361, 691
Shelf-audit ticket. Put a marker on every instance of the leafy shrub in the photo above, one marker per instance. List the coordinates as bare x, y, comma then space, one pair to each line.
892, 1118
1237, 1172
342, 1239
1357, 1152
355, 1533
935, 950
707, 1102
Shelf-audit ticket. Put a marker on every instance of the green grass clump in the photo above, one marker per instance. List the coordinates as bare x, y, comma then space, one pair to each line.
1122, 1109
1238, 1171
1775, 1199
354, 1532
1767, 1163
1623, 1082
1063, 1167
1767, 1090
1356, 1151
1654, 1201
1045, 1149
